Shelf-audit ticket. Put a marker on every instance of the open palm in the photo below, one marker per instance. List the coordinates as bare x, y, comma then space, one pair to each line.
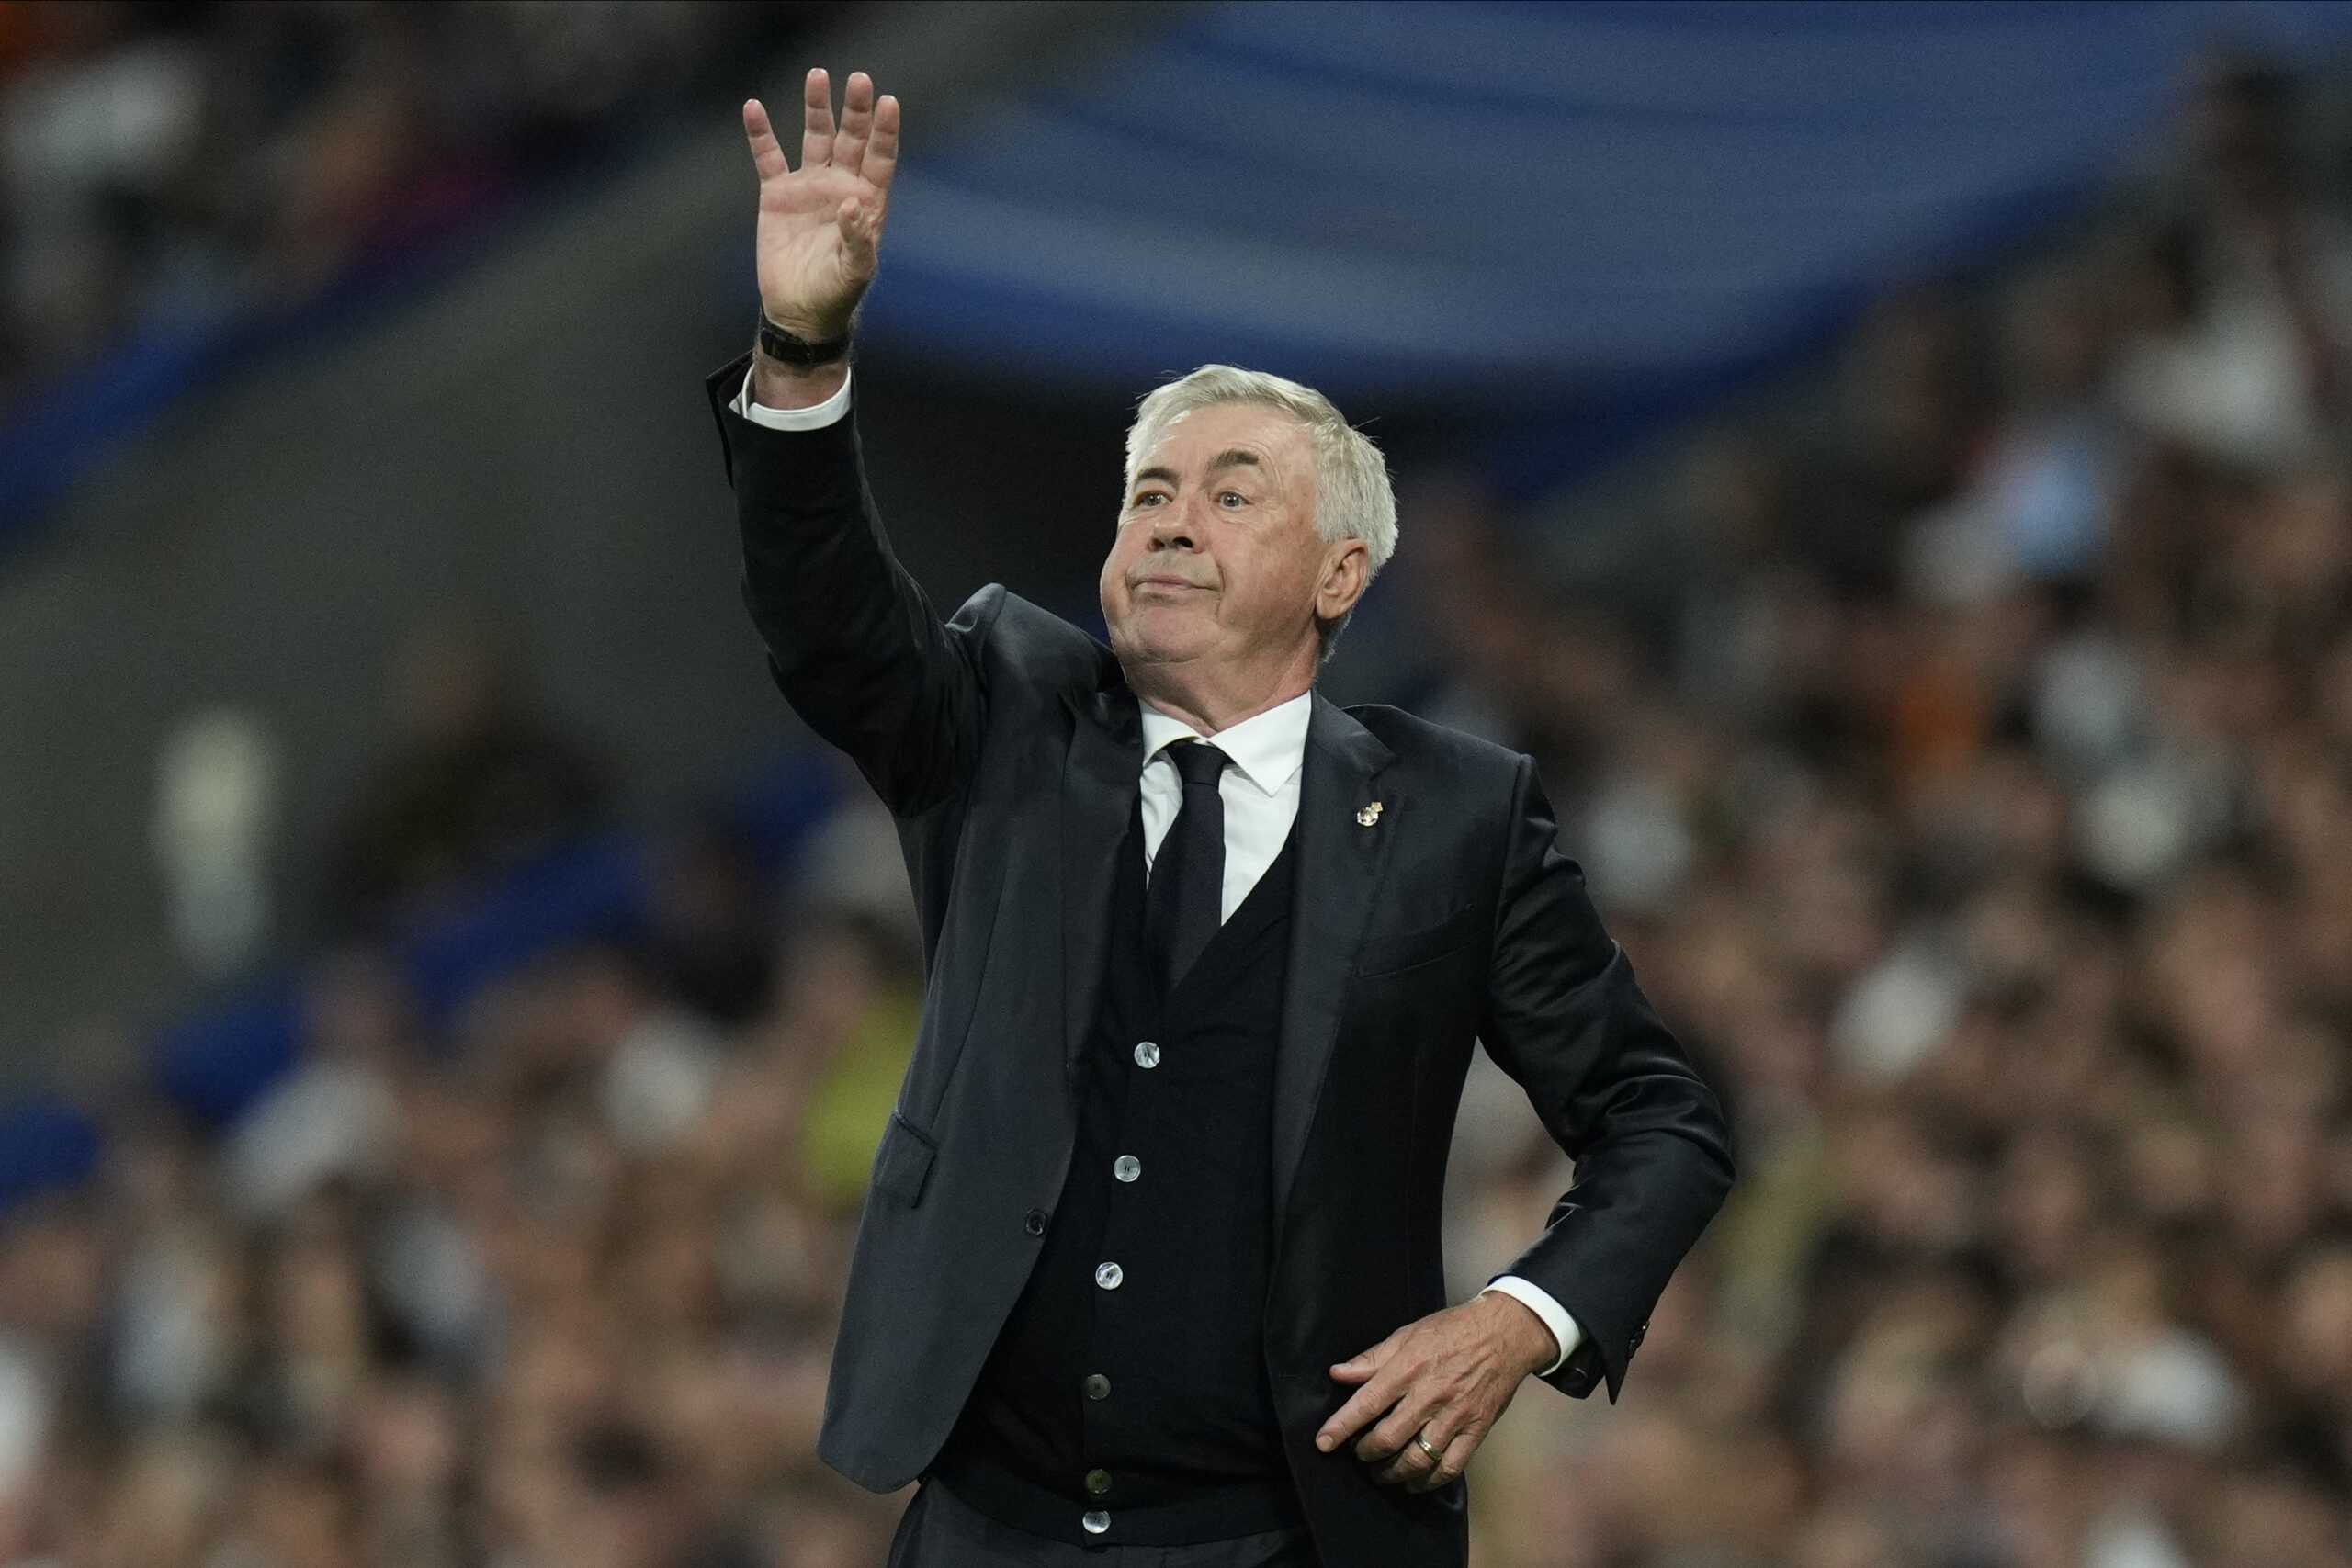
820, 225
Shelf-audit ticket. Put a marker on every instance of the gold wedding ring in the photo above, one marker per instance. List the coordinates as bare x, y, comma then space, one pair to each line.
1423, 1444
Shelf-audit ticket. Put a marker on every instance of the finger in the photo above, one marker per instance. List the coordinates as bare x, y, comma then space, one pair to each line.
817, 120
1366, 1362
1395, 1432
1454, 1461
1368, 1400
857, 121
882, 151
1364, 1404
767, 155
1411, 1464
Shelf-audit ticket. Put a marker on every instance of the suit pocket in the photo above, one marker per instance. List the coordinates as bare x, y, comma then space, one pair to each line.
1409, 950
903, 1163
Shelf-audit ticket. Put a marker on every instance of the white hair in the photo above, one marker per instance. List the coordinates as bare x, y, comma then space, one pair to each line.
1352, 497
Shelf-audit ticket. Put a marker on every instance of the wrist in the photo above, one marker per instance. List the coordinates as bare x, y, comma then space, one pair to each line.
776, 385
1525, 1339
797, 364
805, 350
814, 325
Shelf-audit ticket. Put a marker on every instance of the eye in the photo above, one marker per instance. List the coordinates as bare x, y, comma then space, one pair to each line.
1151, 498
1232, 498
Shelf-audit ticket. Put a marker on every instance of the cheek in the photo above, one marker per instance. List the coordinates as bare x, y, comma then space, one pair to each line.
1282, 578
1112, 579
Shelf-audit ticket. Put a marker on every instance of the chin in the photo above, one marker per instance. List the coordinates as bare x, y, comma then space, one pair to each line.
1153, 636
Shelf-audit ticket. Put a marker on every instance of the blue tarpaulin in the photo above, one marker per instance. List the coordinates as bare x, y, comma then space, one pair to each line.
1496, 202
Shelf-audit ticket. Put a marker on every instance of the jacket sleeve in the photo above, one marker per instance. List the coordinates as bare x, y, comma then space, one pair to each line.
853, 641
1613, 1088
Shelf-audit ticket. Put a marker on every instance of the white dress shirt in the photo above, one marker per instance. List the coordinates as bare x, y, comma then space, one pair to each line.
1268, 752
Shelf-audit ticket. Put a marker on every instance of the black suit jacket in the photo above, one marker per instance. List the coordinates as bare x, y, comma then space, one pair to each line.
1007, 744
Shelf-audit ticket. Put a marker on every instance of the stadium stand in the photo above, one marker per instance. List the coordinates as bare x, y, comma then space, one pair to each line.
1962, 747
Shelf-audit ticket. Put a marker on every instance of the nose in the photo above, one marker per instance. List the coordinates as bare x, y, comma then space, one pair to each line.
1172, 529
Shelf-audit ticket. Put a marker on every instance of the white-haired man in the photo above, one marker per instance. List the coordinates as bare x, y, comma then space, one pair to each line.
1150, 1271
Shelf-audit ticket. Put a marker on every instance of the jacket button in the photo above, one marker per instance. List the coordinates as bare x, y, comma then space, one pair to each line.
1097, 1482
1033, 1222
1097, 1386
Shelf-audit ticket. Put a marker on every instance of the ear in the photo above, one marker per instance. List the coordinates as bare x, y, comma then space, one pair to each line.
1347, 568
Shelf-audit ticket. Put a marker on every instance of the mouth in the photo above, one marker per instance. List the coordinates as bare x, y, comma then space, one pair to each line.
1163, 580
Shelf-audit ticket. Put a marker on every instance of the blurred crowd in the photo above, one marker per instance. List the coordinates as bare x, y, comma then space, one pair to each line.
1963, 757
166, 168
1965, 761
546, 1279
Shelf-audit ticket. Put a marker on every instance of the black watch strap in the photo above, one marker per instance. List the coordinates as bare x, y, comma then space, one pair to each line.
791, 348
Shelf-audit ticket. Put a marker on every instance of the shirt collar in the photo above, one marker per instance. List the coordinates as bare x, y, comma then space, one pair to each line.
1266, 748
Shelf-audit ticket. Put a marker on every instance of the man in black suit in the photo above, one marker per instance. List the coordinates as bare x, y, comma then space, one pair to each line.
1151, 1268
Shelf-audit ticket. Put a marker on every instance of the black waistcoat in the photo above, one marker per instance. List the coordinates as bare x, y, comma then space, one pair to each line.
1129, 1382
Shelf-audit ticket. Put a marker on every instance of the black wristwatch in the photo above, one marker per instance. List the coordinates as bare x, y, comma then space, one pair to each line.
791, 348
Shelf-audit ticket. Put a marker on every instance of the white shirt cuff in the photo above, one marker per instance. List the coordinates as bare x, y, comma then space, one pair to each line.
815, 417
1538, 1299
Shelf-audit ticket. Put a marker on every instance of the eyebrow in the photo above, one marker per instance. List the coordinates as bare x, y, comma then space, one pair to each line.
1237, 457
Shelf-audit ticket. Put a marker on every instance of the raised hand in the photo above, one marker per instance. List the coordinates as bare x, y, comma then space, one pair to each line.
820, 225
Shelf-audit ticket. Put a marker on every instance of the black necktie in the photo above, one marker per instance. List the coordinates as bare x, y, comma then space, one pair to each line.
1187, 890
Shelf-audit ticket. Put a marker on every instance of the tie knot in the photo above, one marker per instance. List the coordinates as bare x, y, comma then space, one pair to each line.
1198, 762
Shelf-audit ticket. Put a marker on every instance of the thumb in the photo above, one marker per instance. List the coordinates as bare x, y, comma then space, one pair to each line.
859, 226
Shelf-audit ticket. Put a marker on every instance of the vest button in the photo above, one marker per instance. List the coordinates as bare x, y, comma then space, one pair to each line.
1097, 1386
1097, 1482
1127, 1167
1096, 1521
1033, 1222
1108, 1275
1147, 1055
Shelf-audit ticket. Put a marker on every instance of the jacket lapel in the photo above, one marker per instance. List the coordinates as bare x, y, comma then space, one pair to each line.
1339, 862
1100, 783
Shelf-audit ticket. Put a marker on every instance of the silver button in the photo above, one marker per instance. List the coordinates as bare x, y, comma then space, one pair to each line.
1108, 1275
1096, 1521
1127, 1167
1147, 1055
